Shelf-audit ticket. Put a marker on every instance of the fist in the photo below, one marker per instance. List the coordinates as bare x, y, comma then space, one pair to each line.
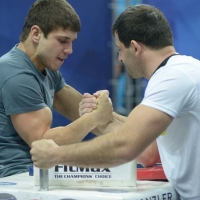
104, 109
89, 102
43, 153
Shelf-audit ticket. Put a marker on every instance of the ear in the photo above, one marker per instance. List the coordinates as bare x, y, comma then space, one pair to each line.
137, 48
35, 33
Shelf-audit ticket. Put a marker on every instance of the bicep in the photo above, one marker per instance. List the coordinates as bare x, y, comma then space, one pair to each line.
31, 126
66, 102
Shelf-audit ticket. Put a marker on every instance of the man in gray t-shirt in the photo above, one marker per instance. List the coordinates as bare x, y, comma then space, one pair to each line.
23, 89
31, 86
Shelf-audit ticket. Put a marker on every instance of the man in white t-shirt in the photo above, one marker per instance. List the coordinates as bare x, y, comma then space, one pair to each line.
174, 89
169, 112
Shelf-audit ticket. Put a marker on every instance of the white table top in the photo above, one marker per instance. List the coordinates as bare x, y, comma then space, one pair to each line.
21, 187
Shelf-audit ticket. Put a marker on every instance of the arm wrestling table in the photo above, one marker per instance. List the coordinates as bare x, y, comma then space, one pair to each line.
21, 187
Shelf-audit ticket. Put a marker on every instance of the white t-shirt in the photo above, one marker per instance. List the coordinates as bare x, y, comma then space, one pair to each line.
175, 90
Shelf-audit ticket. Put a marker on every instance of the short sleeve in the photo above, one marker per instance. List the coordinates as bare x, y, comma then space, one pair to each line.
171, 92
22, 93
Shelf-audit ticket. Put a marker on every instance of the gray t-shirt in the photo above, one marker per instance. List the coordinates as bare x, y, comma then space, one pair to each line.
22, 89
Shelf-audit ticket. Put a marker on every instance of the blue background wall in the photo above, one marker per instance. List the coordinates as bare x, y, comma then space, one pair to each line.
184, 19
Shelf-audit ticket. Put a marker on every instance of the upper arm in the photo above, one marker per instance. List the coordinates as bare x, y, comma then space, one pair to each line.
164, 92
31, 126
66, 102
22, 93
142, 127
23, 101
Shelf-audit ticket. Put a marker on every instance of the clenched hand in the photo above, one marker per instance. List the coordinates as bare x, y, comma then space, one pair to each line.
43, 153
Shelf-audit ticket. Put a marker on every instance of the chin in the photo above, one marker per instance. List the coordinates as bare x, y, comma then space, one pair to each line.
134, 76
54, 68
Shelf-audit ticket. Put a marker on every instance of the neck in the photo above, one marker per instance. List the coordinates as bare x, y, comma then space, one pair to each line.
26, 48
22, 47
154, 58
30, 51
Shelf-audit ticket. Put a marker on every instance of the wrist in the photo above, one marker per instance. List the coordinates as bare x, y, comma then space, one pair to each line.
57, 156
93, 118
110, 126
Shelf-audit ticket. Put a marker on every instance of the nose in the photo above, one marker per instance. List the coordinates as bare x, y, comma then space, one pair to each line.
68, 49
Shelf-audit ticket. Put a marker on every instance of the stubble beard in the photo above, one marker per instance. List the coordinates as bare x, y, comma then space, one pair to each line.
134, 71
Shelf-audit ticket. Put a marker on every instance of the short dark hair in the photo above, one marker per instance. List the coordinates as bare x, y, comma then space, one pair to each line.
143, 23
50, 15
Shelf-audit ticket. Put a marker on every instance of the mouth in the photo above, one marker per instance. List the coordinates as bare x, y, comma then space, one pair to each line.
62, 60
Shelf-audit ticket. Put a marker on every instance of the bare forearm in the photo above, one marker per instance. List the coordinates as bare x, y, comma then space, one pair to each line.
66, 102
110, 127
101, 152
115, 148
78, 129
119, 117
72, 133
117, 122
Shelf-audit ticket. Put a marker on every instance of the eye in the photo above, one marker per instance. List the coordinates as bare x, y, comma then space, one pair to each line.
63, 41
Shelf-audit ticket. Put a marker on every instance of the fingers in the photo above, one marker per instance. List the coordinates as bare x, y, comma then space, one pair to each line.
89, 102
87, 95
42, 153
104, 110
98, 93
86, 110
87, 107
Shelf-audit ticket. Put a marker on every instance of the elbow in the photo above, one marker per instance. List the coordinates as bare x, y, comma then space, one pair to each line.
147, 161
150, 156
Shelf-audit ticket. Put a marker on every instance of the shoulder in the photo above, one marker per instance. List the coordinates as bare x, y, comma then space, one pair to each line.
179, 71
174, 87
13, 65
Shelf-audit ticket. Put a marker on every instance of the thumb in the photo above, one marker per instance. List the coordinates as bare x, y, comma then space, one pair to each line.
99, 92
86, 95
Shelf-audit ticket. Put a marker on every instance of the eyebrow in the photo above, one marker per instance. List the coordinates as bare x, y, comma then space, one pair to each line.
65, 37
